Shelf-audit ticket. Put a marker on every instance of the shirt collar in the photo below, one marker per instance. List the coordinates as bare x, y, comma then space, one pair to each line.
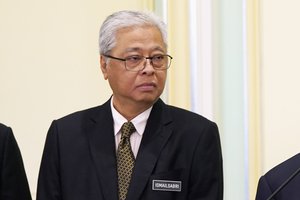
139, 121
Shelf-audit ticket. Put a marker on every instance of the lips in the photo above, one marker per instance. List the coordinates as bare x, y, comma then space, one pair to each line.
147, 86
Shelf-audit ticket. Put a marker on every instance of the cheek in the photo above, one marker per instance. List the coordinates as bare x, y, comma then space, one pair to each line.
162, 79
119, 82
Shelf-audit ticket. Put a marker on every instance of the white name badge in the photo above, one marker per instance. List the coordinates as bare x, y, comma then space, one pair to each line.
166, 185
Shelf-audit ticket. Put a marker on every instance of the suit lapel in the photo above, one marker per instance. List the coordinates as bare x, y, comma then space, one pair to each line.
157, 133
102, 148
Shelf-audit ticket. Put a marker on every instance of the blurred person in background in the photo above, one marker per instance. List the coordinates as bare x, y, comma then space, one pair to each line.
13, 180
281, 182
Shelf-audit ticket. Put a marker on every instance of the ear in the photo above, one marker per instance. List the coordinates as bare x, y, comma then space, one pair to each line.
103, 66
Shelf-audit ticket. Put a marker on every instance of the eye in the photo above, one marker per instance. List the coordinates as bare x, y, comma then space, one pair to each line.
134, 59
158, 58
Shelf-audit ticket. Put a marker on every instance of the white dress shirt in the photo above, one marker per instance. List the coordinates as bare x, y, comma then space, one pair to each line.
139, 123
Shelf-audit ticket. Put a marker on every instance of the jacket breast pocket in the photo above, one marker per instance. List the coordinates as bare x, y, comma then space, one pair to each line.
166, 185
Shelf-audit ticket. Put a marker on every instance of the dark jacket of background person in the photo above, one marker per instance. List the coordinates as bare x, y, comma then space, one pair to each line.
272, 180
13, 180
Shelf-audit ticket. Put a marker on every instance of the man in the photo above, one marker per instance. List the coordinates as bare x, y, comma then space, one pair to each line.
13, 180
285, 178
172, 154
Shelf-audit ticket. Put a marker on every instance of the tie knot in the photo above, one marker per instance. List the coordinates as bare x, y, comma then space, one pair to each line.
127, 129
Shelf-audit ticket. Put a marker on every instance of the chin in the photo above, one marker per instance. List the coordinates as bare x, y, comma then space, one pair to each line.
148, 100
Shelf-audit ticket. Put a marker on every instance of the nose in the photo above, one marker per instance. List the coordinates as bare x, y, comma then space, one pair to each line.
148, 67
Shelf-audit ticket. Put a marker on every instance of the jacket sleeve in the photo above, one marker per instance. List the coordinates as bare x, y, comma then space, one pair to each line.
13, 184
49, 175
206, 181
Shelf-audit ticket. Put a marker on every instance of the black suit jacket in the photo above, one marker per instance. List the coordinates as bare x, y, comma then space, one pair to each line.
79, 159
13, 181
278, 175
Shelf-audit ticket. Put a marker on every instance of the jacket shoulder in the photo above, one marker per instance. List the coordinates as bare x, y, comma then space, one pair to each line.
80, 113
186, 116
89, 113
282, 171
4, 131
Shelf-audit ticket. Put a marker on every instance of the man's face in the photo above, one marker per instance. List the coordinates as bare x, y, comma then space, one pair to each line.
135, 88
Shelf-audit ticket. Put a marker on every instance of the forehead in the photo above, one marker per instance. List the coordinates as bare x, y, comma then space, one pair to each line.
140, 37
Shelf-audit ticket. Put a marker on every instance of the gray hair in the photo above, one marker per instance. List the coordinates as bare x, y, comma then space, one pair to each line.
125, 19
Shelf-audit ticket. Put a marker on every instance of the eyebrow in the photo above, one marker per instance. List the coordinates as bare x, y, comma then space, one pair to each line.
133, 49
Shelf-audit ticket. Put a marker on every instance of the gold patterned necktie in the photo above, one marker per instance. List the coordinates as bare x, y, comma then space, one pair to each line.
125, 160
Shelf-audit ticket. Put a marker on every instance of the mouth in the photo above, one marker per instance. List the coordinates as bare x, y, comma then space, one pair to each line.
147, 86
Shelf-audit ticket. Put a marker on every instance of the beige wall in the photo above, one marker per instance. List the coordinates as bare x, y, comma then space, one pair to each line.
280, 69
49, 66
